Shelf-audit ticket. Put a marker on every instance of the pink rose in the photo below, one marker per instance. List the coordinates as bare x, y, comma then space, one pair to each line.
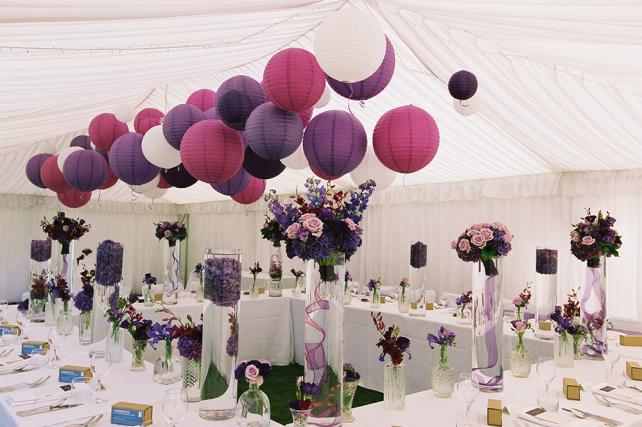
292, 230
588, 240
521, 326
476, 227
65, 228
508, 237
168, 233
464, 245
252, 373
471, 232
487, 233
517, 301
478, 240
179, 225
484, 225
161, 225
350, 223
453, 244
314, 225
306, 216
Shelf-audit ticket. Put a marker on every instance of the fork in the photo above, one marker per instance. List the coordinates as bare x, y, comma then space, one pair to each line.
5, 352
90, 422
622, 406
32, 384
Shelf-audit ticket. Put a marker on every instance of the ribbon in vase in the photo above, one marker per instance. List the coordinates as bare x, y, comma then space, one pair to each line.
489, 334
594, 285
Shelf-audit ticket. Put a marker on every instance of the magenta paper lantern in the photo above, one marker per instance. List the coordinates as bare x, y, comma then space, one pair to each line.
253, 192
234, 185
334, 142
406, 139
211, 151
33, 168
237, 97
178, 120
305, 116
324, 176
73, 198
259, 167
373, 85
273, 133
85, 170
146, 119
52, 176
82, 141
104, 129
293, 80
178, 177
462, 85
203, 99
109, 181
128, 162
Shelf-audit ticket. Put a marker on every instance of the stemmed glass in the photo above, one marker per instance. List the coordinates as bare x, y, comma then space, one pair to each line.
467, 391
100, 364
612, 357
56, 341
4, 307
174, 406
546, 372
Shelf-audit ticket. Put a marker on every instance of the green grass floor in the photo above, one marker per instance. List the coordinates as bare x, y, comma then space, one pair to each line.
280, 388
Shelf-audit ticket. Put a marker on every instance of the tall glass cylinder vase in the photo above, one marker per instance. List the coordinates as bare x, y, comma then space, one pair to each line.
545, 282
172, 270
166, 366
487, 326
593, 306
84, 328
222, 286
323, 337
65, 261
275, 271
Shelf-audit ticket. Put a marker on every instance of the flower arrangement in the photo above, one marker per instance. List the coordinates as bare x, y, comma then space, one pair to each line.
463, 300
304, 393
134, 323
109, 263
190, 338
276, 267
350, 374
64, 229
253, 371
254, 271
444, 338
86, 275
595, 236
546, 261
41, 250
38, 287
405, 283
484, 242
149, 280
84, 300
222, 281
172, 231
521, 301
273, 231
374, 287
418, 255
118, 308
520, 327
347, 280
568, 323
198, 269
298, 274
58, 288
391, 342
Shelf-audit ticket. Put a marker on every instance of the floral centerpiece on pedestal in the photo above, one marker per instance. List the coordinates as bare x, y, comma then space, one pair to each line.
253, 407
301, 407
462, 301
520, 359
173, 232
138, 328
443, 376
394, 345
521, 301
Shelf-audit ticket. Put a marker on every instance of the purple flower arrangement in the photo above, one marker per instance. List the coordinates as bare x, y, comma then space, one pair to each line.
109, 263
521, 301
38, 287
374, 285
304, 393
391, 342
350, 374
232, 345
253, 371
172, 231
41, 250
58, 288
84, 300
149, 280
190, 339
593, 237
484, 242
276, 267
135, 324
418, 255
444, 337
546, 261
160, 331
222, 282
64, 229
464, 299
198, 269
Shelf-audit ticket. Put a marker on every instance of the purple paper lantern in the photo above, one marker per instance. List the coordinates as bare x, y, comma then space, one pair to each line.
334, 143
85, 170
462, 85
234, 185
178, 177
273, 133
178, 120
33, 169
373, 85
82, 141
128, 162
236, 98
259, 167
212, 114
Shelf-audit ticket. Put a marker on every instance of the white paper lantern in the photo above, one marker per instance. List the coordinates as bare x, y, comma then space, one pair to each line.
144, 188
371, 168
349, 45
325, 98
64, 153
296, 160
467, 107
155, 193
158, 151
124, 112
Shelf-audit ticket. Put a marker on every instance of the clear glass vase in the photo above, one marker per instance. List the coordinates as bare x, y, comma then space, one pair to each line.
222, 285
417, 302
171, 274
300, 417
375, 298
563, 351
148, 296
593, 304
577, 346
488, 327
65, 322
166, 367
443, 376
39, 273
254, 290
520, 359
51, 312
394, 386
403, 304
323, 337
545, 288
275, 272
138, 355
347, 297
200, 292
37, 309
191, 373
253, 408
84, 328
63, 253
349, 390
114, 343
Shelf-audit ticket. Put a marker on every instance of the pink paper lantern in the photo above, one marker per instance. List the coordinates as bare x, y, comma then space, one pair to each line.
73, 198
146, 119
211, 151
293, 79
203, 99
104, 129
52, 177
110, 181
406, 139
253, 192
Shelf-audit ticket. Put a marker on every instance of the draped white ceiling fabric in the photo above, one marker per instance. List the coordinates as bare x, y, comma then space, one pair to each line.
560, 80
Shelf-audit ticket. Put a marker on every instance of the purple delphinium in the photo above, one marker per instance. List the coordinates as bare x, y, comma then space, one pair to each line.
84, 299
160, 332
109, 263
443, 337
222, 281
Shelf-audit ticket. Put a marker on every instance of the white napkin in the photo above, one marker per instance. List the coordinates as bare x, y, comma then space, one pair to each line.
557, 419
8, 368
77, 414
617, 393
39, 397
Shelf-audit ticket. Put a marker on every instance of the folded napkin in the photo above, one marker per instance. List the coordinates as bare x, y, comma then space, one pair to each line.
617, 393
68, 416
556, 419
11, 367
38, 397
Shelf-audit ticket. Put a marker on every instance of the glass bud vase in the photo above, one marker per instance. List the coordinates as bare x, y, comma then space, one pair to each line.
300, 417
403, 304
253, 408
545, 287
84, 328
166, 367
37, 309
443, 376
323, 337
563, 351
488, 327
50, 312
375, 298
148, 296
171, 274
520, 359
349, 390
200, 292
275, 272
114, 343
394, 386
593, 304
138, 354
191, 373
577, 346
347, 297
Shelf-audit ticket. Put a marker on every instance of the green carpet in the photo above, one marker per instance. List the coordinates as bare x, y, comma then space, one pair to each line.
280, 388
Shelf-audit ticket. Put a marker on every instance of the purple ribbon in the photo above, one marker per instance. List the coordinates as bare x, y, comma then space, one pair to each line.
594, 285
490, 338
176, 268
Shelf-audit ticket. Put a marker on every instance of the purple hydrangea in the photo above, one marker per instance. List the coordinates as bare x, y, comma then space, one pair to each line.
418, 255
222, 281
191, 346
84, 299
109, 263
546, 261
41, 250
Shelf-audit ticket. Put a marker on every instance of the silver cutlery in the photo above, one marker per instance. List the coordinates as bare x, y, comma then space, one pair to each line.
90, 422
583, 414
620, 405
5, 352
13, 371
37, 383
49, 408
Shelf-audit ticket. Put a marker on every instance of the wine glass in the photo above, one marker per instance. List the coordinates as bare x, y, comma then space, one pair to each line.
467, 391
612, 358
56, 341
546, 370
23, 321
4, 307
100, 364
443, 300
174, 406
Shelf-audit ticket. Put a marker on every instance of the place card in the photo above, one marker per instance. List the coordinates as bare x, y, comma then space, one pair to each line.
430, 306
544, 326
9, 329
68, 373
131, 414
571, 388
631, 340
29, 347
494, 412
634, 370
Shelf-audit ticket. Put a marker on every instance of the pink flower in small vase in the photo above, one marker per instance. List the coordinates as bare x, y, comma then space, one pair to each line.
478, 240
588, 240
252, 373
314, 225
292, 230
520, 326
464, 245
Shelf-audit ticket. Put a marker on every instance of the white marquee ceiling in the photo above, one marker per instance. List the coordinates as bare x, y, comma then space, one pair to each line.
560, 80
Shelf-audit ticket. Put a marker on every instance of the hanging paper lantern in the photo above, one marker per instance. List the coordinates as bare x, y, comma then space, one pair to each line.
82, 141
325, 98
146, 119
124, 112
273, 133
52, 176
211, 151
259, 167
462, 85
64, 153
237, 97
323, 175
109, 181
128, 162
253, 192
143, 188
162, 182
468, 107
406, 139
371, 168
104, 129
305, 116
158, 151
234, 185
178, 177
155, 193
85, 170
33, 167
103, 153
334, 142
212, 114
293, 80
73, 198
296, 160
373, 85
178, 120
349, 45
203, 99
